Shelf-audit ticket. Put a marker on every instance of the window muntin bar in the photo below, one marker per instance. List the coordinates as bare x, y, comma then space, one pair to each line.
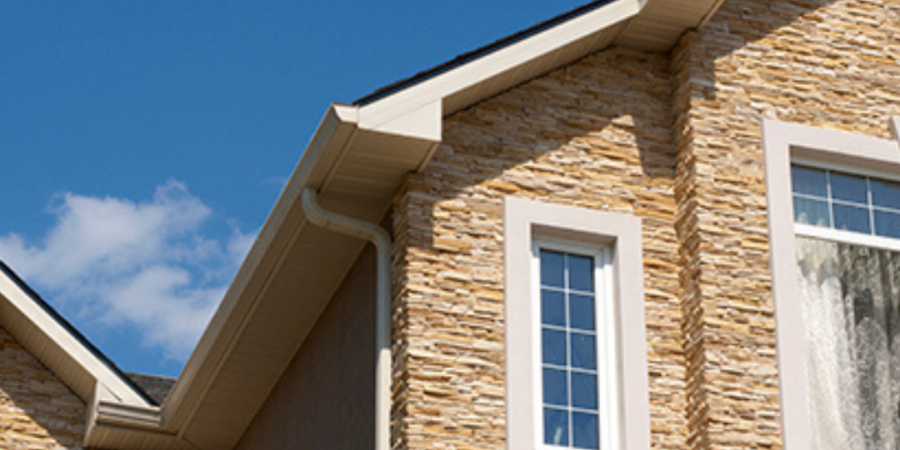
570, 377
842, 201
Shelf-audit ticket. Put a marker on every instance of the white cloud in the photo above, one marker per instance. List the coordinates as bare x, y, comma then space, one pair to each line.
149, 265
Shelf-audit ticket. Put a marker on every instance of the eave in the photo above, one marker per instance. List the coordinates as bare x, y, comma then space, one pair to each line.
47, 336
356, 160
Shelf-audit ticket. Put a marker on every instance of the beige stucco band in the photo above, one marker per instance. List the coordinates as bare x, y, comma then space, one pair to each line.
525, 220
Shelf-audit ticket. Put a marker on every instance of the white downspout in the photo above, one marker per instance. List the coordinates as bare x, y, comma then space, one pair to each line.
382, 241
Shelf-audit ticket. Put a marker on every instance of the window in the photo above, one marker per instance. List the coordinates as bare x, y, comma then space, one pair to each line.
574, 303
834, 204
845, 201
572, 316
850, 301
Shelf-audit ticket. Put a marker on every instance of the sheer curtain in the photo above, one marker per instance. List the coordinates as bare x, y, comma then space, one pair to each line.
850, 297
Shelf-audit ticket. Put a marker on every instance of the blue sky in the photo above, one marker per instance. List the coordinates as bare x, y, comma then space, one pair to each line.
144, 143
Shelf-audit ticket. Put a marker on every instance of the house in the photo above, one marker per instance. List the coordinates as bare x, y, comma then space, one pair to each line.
644, 223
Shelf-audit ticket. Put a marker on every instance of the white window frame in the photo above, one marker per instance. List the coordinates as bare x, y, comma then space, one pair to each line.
834, 234
527, 223
785, 143
604, 342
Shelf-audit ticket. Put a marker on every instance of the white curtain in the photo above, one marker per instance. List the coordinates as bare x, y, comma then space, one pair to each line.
851, 301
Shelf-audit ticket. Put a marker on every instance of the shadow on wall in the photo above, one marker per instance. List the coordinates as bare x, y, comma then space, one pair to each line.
613, 108
828, 63
599, 134
37, 410
593, 134
596, 134
806, 61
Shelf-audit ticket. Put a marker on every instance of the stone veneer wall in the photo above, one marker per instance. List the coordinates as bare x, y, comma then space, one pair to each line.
674, 139
831, 64
596, 134
37, 411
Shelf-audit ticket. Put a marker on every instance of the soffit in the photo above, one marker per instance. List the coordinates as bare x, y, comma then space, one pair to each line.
291, 273
357, 160
662, 22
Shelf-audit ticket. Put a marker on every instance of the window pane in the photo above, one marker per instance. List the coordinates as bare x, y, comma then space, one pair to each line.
849, 188
555, 389
811, 212
887, 224
551, 268
851, 218
584, 351
556, 427
553, 308
581, 312
584, 390
885, 193
581, 273
585, 430
809, 181
554, 347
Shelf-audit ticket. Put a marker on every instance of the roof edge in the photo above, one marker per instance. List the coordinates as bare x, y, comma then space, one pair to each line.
506, 58
52, 316
386, 112
337, 125
480, 52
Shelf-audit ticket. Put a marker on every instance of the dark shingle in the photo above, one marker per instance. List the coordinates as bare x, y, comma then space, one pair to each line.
478, 53
155, 386
56, 316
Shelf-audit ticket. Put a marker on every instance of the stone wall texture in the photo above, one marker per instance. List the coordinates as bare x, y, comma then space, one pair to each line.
830, 64
37, 411
672, 138
596, 134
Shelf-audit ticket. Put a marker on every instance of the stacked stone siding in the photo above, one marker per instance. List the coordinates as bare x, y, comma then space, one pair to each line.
830, 64
37, 411
672, 138
596, 134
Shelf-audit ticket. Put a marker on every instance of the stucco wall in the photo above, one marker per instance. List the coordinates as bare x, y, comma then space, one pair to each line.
326, 396
37, 411
830, 64
597, 134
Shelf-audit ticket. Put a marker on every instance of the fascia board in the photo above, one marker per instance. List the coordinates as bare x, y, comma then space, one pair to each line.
383, 113
414, 112
110, 382
112, 425
329, 141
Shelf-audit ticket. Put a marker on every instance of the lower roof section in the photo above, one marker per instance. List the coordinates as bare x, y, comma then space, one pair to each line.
356, 161
291, 273
60, 347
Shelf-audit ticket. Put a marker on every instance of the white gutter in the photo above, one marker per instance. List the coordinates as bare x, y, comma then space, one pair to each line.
382, 241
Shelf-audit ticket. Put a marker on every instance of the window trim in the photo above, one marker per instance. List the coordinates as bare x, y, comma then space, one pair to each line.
849, 237
525, 223
783, 144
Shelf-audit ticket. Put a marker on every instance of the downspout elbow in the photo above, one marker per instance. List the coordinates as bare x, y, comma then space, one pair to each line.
382, 241
343, 224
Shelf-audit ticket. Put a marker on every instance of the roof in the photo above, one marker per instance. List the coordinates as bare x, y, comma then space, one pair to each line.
356, 160
157, 387
477, 53
48, 336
